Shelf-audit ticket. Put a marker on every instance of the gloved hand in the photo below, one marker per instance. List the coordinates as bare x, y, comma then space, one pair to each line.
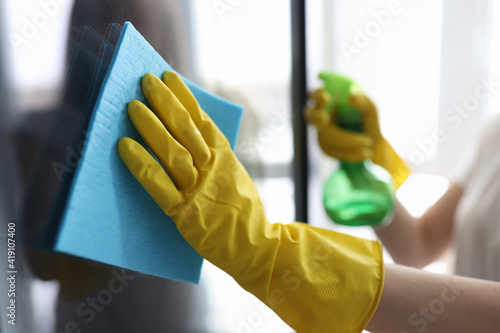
316, 280
353, 146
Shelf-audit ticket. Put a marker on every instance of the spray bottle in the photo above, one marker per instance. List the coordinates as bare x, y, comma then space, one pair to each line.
357, 193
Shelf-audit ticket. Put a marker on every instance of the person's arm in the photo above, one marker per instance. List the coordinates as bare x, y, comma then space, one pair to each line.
417, 301
411, 242
419, 241
316, 280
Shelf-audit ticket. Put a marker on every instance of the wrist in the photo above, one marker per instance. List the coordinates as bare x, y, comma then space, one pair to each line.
385, 156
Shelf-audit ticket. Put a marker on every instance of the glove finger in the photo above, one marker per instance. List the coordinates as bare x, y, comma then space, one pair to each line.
345, 145
176, 118
369, 112
210, 132
317, 117
363, 104
150, 175
339, 137
355, 155
319, 98
171, 154
348, 155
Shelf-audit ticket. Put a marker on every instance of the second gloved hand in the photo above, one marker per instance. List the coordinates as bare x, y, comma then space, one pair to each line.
316, 280
354, 146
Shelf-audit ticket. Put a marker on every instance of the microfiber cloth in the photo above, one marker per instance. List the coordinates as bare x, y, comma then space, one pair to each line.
109, 217
53, 171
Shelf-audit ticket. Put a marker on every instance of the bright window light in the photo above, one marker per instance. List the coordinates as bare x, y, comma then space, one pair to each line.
420, 191
37, 36
494, 101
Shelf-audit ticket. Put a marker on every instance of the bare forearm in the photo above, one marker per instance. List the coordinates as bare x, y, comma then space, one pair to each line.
418, 301
418, 242
402, 238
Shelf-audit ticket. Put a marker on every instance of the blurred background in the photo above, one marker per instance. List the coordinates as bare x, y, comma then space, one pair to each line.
420, 61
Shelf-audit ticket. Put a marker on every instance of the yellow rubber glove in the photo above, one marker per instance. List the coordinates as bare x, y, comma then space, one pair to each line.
316, 280
352, 146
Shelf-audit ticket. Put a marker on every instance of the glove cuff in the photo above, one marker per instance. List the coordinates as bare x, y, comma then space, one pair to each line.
385, 156
322, 281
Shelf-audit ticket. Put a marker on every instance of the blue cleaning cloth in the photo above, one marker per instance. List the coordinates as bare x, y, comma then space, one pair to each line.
109, 217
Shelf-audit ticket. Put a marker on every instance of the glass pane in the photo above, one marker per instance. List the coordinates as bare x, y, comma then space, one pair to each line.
384, 46
494, 102
242, 52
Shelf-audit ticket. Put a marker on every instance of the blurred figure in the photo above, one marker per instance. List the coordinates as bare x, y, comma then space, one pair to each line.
467, 215
146, 303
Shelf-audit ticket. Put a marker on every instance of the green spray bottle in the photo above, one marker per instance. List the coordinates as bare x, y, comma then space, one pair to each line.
357, 193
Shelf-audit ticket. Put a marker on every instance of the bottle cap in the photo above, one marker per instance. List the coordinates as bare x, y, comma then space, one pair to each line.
340, 88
